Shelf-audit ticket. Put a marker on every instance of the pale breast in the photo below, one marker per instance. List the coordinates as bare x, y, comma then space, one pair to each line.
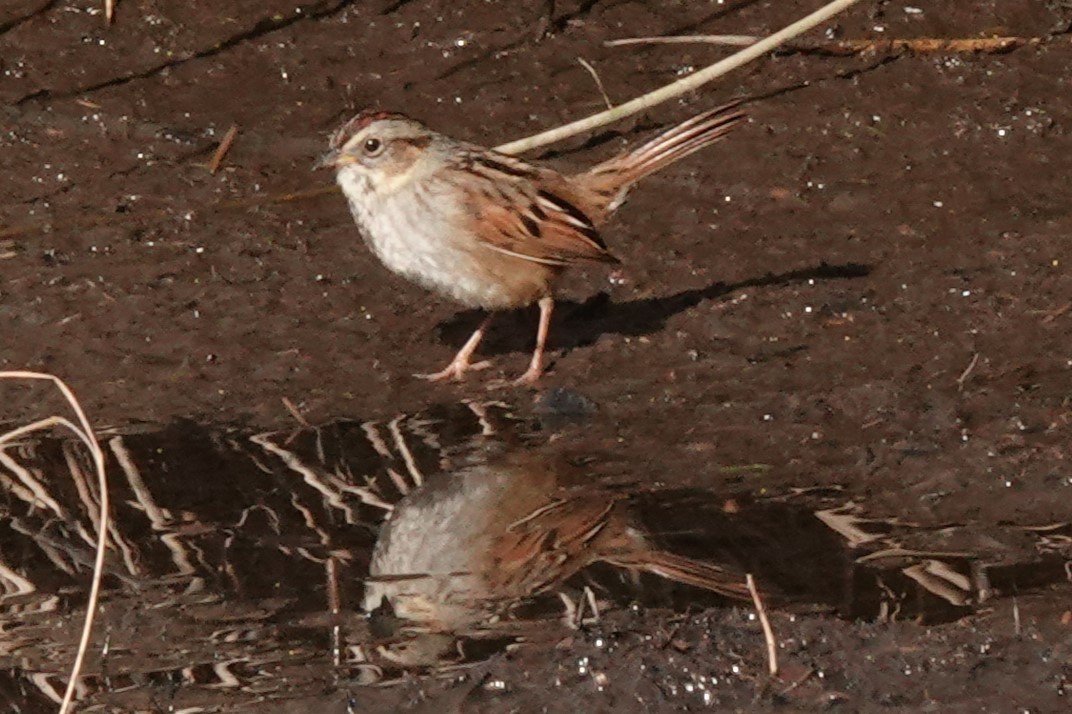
426, 561
424, 238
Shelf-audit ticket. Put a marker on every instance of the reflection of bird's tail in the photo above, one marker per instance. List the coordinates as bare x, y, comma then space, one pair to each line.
613, 177
688, 571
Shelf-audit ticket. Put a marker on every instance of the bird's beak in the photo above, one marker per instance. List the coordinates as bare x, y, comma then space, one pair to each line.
328, 161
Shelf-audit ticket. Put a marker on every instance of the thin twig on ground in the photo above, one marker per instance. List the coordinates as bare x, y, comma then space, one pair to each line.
599, 82
768, 633
84, 431
331, 571
293, 409
675, 89
728, 40
967, 371
798, 681
1050, 316
841, 48
225, 145
109, 11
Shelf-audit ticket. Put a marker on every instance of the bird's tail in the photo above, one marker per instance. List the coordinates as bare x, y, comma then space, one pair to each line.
688, 571
613, 177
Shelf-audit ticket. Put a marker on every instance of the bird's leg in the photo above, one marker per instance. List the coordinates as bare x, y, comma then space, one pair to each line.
547, 304
574, 617
460, 364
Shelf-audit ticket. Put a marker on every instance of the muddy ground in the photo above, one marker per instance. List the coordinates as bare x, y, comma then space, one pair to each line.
867, 286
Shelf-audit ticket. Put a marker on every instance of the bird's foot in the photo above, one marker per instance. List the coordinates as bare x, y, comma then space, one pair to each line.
455, 370
529, 378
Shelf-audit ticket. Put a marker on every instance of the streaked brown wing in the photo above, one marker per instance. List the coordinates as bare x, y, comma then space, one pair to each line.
552, 543
526, 212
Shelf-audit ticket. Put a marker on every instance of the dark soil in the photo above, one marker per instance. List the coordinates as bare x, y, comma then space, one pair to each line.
867, 286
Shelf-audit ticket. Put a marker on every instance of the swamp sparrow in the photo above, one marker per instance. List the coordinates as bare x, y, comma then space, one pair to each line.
487, 229
460, 550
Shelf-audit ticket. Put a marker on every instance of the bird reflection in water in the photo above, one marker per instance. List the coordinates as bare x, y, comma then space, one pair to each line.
464, 551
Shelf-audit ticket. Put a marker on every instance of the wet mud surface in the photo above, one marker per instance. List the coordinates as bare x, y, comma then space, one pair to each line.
862, 297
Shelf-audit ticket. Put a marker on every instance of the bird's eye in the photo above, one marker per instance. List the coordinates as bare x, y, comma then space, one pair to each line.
373, 146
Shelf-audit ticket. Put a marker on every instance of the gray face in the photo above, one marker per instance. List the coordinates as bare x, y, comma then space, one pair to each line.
377, 143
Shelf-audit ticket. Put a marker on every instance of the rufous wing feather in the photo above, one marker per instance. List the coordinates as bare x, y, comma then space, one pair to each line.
527, 212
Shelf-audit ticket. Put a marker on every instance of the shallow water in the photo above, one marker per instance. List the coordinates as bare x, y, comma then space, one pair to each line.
237, 559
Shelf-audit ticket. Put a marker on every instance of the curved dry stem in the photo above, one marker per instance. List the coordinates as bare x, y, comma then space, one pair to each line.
693, 81
599, 82
83, 431
764, 622
729, 40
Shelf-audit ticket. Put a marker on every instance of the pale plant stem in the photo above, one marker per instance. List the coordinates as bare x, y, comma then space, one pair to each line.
83, 431
764, 622
675, 89
729, 40
599, 82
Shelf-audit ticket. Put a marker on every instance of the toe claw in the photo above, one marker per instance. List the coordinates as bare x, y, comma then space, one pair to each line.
455, 370
528, 379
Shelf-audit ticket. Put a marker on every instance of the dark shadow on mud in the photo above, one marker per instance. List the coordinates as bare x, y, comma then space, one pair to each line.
578, 324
